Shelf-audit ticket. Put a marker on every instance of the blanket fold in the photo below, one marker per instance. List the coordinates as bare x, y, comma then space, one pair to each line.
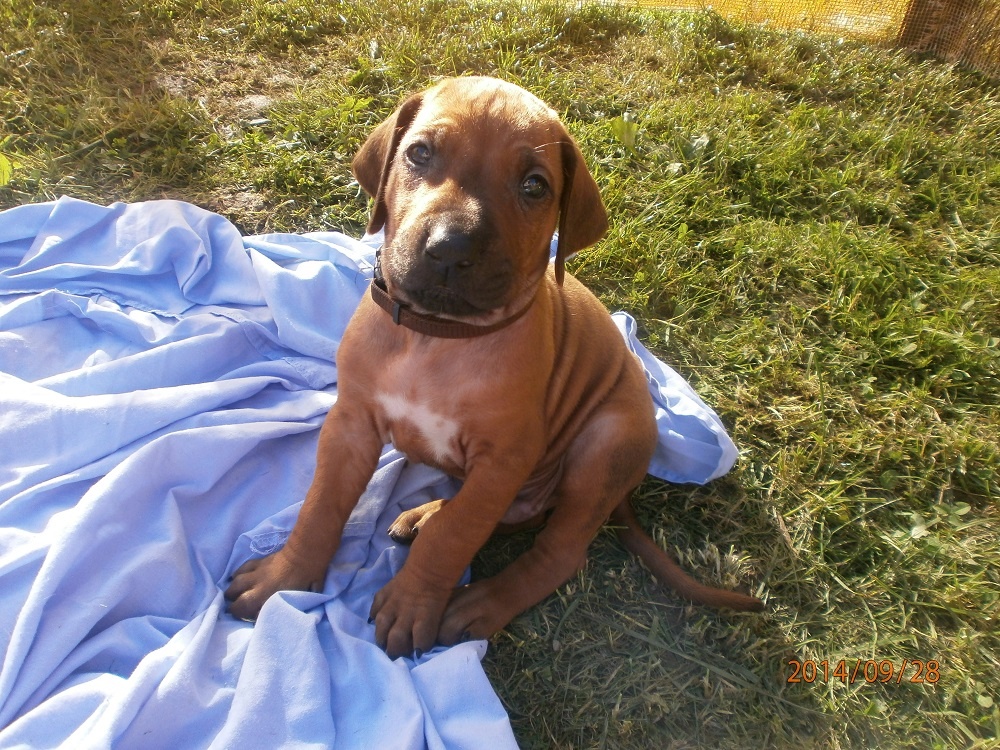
162, 382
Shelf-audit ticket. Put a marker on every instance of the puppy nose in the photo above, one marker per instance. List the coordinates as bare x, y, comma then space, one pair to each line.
451, 249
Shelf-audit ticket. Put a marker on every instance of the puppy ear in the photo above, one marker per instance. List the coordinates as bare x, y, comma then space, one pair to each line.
372, 163
582, 217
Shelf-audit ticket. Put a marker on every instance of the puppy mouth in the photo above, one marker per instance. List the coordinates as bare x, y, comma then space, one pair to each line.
451, 289
439, 300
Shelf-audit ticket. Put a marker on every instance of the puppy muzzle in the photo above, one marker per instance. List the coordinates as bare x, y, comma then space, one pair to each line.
455, 271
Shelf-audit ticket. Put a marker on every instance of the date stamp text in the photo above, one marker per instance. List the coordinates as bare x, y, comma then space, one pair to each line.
864, 670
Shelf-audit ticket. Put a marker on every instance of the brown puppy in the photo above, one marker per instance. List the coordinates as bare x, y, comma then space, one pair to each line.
474, 356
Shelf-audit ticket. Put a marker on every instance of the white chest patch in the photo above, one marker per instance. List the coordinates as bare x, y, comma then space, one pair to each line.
438, 433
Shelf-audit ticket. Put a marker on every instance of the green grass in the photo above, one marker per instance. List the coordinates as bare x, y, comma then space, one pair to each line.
807, 228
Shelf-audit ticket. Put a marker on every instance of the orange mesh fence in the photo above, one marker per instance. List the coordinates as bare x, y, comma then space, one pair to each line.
958, 31
966, 31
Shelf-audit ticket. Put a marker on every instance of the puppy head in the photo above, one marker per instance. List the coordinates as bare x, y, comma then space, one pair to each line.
470, 179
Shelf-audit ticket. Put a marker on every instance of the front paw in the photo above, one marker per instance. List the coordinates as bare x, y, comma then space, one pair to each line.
476, 611
407, 615
254, 582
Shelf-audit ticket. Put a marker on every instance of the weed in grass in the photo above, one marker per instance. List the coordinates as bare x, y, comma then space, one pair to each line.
807, 228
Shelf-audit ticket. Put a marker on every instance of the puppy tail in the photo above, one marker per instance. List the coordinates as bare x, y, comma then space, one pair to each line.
666, 570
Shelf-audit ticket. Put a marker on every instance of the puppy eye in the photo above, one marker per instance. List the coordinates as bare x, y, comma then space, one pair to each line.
418, 154
534, 186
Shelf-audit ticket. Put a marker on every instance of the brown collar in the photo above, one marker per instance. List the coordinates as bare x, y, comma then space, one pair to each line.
429, 325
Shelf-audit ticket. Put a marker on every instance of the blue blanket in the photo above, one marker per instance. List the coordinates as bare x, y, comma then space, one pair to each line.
162, 382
